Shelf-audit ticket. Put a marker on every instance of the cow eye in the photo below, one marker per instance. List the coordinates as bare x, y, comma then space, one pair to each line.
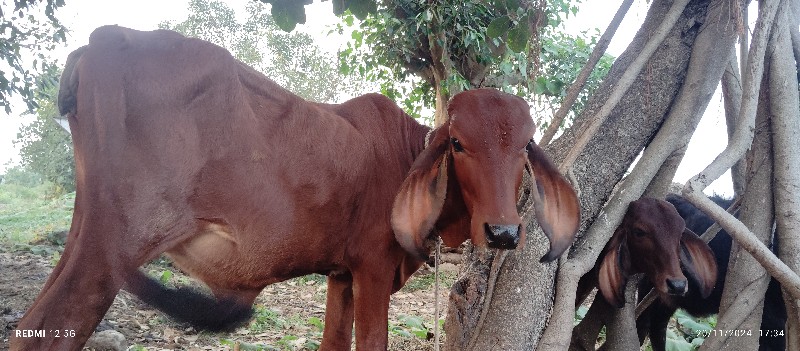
456, 145
639, 233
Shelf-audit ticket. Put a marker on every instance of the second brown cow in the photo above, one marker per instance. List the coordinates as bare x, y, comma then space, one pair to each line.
182, 149
652, 239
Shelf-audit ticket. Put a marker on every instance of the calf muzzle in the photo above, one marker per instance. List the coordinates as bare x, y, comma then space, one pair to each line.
676, 286
502, 236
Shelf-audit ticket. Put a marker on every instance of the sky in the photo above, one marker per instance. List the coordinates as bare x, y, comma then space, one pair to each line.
83, 16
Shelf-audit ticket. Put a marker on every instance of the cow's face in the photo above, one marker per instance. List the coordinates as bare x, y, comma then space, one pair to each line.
489, 135
653, 239
481, 153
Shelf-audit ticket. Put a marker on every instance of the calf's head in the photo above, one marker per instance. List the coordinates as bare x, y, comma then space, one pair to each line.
653, 239
465, 183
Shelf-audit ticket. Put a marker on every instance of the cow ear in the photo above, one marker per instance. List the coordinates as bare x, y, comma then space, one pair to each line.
419, 202
614, 269
698, 262
556, 206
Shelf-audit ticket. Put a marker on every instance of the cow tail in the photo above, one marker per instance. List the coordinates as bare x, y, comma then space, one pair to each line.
188, 305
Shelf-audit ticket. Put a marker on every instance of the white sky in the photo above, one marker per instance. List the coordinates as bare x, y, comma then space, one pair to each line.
83, 16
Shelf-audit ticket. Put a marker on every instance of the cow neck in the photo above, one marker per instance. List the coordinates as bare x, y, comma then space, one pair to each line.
418, 137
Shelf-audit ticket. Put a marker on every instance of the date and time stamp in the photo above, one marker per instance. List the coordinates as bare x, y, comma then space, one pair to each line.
741, 333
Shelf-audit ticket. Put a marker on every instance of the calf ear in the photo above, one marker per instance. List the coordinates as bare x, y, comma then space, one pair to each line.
614, 269
556, 206
421, 197
698, 262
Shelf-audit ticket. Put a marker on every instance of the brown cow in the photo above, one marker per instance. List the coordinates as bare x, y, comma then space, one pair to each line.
652, 239
182, 149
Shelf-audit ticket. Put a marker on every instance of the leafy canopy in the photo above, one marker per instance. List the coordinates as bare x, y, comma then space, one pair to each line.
514, 45
46, 148
28, 29
288, 13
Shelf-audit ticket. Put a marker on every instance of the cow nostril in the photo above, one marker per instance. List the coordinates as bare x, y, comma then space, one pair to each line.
502, 236
489, 232
676, 286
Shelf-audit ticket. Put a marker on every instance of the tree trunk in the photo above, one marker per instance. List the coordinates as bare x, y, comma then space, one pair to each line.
711, 45
732, 100
442, 67
746, 282
517, 311
784, 99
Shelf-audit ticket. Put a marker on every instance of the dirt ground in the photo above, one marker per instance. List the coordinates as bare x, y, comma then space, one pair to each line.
287, 312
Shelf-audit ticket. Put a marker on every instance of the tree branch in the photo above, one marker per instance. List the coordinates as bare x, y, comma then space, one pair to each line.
795, 35
575, 88
786, 141
743, 137
591, 126
745, 123
661, 183
709, 54
788, 279
732, 100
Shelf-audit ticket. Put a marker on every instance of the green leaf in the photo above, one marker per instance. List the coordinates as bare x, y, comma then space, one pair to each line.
165, 277
316, 322
287, 14
512, 5
694, 326
498, 27
413, 322
676, 343
397, 330
421, 333
361, 8
518, 38
540, 86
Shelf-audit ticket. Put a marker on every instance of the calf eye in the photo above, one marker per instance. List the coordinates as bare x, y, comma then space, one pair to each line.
456, 145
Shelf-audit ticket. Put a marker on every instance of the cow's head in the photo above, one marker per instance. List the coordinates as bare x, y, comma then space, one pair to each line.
465, 183
653, 239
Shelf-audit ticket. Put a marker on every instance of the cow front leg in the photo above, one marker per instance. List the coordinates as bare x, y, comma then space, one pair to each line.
75, 300
371, 290
338, 332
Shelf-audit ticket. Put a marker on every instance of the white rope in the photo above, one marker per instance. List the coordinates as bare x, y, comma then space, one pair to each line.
436, 291
428, 137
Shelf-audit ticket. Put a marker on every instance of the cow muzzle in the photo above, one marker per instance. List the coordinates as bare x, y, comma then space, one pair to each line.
502, 236
677, 287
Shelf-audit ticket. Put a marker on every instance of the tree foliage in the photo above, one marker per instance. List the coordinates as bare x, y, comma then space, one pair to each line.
28, 29
45, 147
288, 13
494, 43
293, 60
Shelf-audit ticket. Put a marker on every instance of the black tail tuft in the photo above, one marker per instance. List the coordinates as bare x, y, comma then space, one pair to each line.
190, 306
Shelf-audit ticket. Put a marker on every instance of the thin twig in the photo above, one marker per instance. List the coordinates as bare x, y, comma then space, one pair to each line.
575, 88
